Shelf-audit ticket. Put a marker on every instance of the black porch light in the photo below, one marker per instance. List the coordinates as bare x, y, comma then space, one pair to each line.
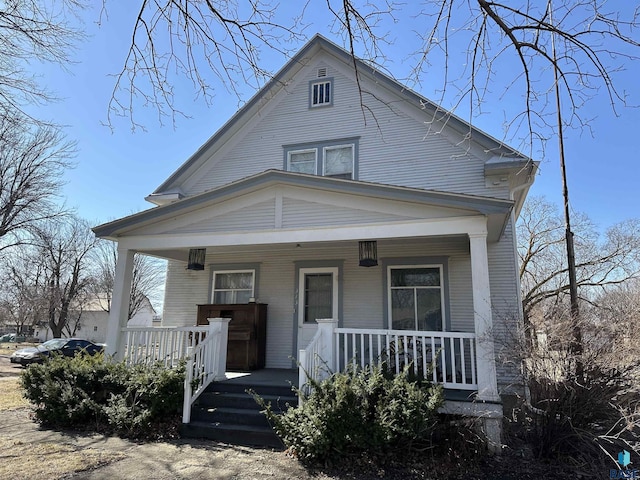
368, 253
196, 258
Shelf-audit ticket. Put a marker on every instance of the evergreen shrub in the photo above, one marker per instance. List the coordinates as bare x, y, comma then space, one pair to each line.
87, 392
361, 411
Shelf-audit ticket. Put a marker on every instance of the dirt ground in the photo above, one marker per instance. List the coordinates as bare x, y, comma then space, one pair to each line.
27, 451
122, 459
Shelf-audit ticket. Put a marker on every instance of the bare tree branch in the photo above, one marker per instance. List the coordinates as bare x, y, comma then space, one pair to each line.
32, 162
600, 262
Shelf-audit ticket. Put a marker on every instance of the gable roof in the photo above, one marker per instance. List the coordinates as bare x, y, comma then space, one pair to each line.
497, 210
318, 44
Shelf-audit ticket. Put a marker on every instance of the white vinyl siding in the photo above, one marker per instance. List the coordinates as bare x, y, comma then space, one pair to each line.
401, 147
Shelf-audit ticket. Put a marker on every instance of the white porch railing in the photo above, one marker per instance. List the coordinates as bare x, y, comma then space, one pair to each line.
448, 358
204, 348
168, 345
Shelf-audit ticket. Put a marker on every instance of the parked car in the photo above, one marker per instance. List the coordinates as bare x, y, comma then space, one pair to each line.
7, 337
13, 338
68, 347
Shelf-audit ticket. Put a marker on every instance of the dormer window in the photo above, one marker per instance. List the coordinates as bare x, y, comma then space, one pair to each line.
330, 159
321, 92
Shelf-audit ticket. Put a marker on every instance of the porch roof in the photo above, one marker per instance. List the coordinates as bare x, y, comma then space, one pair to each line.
371, 197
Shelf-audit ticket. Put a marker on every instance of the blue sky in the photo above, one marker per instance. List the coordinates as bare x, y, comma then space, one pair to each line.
117, 169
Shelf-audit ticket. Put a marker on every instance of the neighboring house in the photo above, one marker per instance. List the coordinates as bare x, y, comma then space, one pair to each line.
319, 174
94, 319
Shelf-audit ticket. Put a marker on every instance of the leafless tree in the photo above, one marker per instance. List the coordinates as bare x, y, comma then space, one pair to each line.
64, 247
21, 302
472, 45
616, 311
147, 280
32, 162
30, 31
199, 40
601, 259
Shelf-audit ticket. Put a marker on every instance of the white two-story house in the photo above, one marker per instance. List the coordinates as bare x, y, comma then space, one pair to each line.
357, 203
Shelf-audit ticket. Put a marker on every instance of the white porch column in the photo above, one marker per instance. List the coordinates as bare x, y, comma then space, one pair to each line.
486, 364
119, 313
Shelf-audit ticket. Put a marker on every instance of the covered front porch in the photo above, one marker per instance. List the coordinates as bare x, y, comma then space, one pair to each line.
291, 242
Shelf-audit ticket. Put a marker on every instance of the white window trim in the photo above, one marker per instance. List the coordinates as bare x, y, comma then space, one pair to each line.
301, 287
321, 81
334, 147
216, 272
320, 148
303, 150
440, 267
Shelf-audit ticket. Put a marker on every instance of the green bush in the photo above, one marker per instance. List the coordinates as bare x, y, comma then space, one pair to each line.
360, 411
88, 392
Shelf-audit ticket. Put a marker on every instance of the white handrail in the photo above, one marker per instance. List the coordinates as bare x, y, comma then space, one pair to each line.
200, 371
309, 363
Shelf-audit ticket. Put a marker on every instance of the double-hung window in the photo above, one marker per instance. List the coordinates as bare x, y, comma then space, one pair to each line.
416, 297
329, 159
338, 161
303, 161
233, 286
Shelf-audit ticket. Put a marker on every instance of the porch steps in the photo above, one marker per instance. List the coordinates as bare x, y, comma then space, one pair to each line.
226, 413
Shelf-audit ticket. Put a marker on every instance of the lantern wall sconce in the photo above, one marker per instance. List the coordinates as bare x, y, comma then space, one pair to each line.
368, 253
196, 258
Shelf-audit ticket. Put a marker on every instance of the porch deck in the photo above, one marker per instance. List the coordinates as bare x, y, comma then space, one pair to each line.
263, 377
289, 377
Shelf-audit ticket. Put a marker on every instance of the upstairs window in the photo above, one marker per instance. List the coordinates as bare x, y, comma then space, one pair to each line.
321, 93
329, 159
338, 161
303, 161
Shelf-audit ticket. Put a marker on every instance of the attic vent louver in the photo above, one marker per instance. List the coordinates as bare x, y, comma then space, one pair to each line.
322, 72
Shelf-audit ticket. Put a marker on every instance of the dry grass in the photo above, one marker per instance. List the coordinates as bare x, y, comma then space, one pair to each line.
11, 397
48, 460
42, 460
8, 348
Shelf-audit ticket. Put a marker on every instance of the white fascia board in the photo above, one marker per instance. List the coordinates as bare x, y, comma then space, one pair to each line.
418, 228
